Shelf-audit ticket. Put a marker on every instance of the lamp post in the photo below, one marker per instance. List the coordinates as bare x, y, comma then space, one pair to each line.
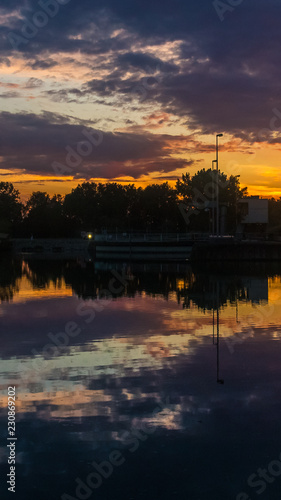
213, 202
217, 161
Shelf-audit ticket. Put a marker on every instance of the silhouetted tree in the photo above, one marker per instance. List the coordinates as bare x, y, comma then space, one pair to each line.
126, 208
44, 216
159, 209
200, 191
114, 206
10, 208
81, 207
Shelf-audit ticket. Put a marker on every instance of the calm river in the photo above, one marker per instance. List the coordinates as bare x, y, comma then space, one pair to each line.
141, 381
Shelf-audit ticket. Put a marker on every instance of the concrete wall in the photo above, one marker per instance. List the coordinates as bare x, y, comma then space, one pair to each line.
257, 211
50, 245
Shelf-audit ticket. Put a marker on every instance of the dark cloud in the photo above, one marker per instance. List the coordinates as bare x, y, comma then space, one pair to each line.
42, 64
5, 61
220, 75
32, 143
146, 62
33, 83
12, 94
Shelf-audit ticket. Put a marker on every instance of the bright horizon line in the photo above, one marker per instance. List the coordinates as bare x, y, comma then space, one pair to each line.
144, 183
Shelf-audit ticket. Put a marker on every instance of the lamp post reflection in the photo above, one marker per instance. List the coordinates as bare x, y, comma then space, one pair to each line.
214, 314
219, 380
217, 343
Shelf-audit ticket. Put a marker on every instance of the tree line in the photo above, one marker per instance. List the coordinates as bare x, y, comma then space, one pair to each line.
98, 207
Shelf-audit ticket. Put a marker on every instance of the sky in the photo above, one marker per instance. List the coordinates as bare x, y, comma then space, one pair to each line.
136, 91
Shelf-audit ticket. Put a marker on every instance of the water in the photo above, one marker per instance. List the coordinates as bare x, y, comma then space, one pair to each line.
141, 381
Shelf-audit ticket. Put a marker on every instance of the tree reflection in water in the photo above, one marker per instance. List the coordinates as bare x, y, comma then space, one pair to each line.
191, 285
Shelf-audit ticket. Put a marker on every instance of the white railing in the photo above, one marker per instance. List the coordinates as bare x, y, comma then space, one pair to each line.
150, 237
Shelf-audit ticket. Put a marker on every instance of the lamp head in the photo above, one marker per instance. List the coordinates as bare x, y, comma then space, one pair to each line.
219, 135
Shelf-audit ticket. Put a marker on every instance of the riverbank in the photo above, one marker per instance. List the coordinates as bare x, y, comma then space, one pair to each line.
236, 251
50, 246
150, 248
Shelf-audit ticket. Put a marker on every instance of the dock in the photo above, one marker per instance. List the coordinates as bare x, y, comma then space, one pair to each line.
145, 246
156, 247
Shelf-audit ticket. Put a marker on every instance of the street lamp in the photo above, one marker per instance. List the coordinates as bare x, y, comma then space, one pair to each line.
213, 201
217, 160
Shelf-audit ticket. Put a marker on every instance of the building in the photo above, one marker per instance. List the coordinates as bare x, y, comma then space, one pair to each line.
252, 215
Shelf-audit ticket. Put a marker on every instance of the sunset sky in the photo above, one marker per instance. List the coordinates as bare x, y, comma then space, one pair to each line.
156, 81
